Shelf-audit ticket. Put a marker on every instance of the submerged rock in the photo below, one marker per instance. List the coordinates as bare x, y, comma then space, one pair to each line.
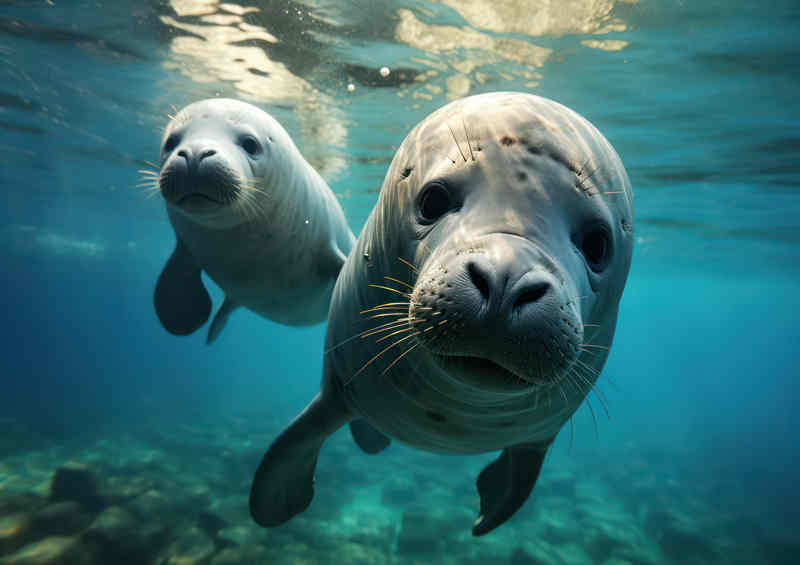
116, 537
74, 481
679, 537
56, 550
60, 519
246, 555
192, 547
427, 529
14, 531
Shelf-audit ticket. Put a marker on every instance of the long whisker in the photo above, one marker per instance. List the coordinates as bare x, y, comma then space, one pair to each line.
456, 142
597, 392
388, 278
385, 305
401, 330
397, 324
401, 293
571, 433
381, 352
395, 314
409, 264
466, 134
403, 354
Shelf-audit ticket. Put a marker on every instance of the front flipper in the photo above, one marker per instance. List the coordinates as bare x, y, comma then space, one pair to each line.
368, 438
284, 482
332, 261
505, 484
220, 318
182, 302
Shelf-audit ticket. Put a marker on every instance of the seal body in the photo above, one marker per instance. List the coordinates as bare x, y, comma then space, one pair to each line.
249, 211
483, 293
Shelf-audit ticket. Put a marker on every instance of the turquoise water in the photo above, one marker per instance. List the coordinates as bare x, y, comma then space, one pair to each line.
695, 461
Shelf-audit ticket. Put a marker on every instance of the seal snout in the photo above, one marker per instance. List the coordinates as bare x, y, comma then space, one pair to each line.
496, 310
198, 175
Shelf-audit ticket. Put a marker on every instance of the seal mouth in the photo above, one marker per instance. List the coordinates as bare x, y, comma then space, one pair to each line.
197, 197
484, 373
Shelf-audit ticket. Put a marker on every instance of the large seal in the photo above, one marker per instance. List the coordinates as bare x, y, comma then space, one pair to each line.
486, 284
252, 213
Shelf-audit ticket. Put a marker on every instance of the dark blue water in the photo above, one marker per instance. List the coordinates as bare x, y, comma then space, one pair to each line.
695, 462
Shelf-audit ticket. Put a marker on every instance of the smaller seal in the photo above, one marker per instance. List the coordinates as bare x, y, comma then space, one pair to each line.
250, 211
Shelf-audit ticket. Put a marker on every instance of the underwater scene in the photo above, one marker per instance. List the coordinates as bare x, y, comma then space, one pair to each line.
467, 403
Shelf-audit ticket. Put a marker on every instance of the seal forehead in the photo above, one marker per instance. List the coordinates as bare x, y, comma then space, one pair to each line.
518, 122
232, 111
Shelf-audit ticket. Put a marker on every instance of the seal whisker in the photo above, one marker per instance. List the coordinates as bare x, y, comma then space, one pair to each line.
390, 289
401, 330
388, 278
456, 142
403, 354
591, 345
414, 268
385, 306
594, 418
588, 402
597, 392
387, 348
395, 314
466, 134
396, 324
571, 434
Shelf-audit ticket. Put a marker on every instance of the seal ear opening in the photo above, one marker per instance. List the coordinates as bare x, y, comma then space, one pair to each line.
182, 302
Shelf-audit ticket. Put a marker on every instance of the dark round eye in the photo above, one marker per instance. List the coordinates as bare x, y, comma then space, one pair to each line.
171, 143
596, 248
434, 202
251, 145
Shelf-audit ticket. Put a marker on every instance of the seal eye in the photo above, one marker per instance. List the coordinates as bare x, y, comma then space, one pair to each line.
251, 145
433, 202
171, 143
596, 248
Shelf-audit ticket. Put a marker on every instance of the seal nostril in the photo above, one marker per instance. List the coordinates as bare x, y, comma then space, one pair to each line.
479, 280
207, 153
532, 293
184, 153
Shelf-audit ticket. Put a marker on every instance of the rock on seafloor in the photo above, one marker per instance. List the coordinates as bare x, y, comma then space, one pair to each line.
74, 481
55, 550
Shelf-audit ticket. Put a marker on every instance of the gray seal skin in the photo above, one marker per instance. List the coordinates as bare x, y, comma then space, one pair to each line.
477, 309
252, 213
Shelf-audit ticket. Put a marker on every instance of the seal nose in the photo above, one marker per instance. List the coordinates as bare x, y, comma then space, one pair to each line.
194, 155
500, 294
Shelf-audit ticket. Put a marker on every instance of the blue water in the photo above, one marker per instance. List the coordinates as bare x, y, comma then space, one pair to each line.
696, 460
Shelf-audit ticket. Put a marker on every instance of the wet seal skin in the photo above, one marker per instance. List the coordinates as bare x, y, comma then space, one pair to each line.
248, 210
480, 303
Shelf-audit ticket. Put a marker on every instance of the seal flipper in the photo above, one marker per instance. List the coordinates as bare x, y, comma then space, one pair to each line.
368, 438
284, 482
182, 302
220, 318
332, 262
505, 483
